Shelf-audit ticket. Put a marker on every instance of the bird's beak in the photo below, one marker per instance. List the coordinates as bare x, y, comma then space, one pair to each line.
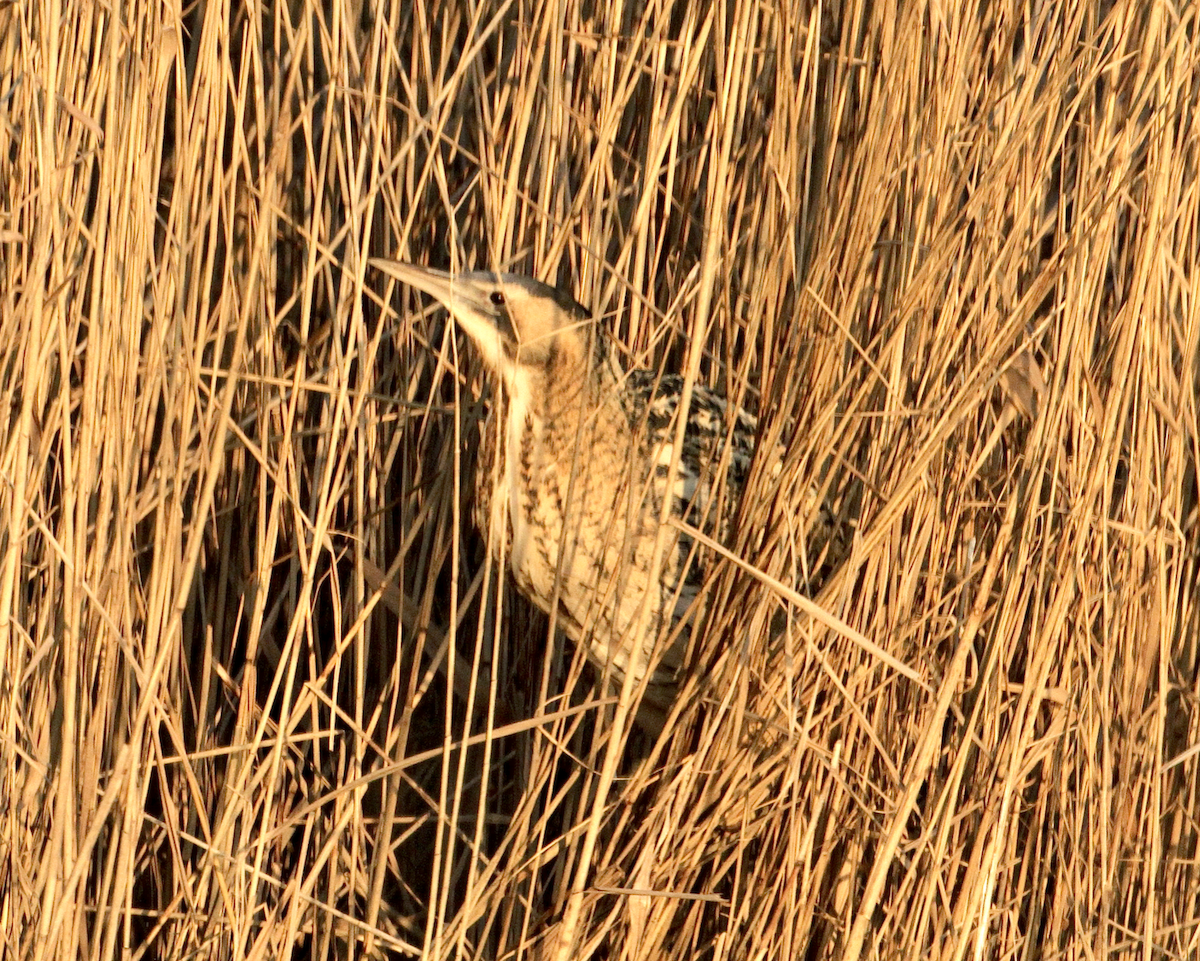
454, 294
467, 300
436, 283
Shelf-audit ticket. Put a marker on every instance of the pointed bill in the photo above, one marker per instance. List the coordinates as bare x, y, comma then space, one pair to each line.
468, 297
435, 283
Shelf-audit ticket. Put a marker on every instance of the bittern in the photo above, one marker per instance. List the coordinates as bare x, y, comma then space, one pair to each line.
575, 465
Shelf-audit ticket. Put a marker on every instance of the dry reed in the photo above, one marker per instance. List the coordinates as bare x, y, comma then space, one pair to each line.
250, 705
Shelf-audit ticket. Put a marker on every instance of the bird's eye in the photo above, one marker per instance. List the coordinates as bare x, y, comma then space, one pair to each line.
497, 298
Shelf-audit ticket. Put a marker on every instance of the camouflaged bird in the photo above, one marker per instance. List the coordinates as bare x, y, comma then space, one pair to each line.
575, 465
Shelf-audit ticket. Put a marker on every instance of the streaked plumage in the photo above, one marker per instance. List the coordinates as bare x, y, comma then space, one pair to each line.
575, 464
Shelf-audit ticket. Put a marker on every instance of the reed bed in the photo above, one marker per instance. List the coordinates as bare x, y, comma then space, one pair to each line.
262, 694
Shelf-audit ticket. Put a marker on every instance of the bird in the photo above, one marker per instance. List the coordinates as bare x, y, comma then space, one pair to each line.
575, 466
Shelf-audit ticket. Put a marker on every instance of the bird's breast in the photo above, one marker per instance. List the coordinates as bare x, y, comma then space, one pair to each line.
528, 495
518, 442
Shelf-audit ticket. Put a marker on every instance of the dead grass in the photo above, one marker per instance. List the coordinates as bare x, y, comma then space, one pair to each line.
232, 457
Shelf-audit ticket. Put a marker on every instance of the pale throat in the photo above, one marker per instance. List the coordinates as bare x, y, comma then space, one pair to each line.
520, 411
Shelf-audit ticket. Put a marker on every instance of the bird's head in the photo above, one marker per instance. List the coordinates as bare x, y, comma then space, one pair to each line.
524, 329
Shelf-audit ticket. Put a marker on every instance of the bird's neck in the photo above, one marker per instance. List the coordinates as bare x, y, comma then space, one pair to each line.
541, 413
